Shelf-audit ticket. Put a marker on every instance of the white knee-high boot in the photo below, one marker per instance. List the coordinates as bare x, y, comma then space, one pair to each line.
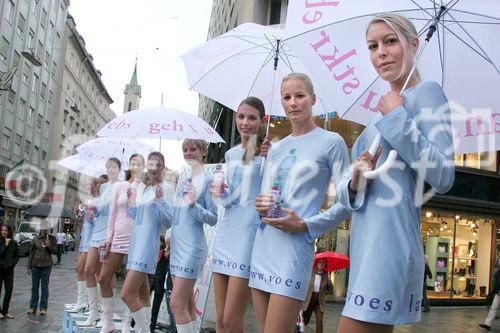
126, 320
142, 321
94, 315
107, 315
82, 298
185, 328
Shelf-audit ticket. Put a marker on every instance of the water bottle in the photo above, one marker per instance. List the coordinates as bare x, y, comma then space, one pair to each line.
103, 254
285, 166
185, 189
131, 191
275, 210
219, 179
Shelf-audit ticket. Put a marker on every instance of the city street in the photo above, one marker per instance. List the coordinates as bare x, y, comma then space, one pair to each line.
63, 290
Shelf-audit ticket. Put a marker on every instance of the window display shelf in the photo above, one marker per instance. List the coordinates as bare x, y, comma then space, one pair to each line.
465, 277
465, 258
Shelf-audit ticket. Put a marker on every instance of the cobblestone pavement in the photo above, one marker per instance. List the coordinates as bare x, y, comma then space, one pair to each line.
63, 290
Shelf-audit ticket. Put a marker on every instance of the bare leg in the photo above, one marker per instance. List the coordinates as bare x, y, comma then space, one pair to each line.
348, 325
282, 314
144, 293
182, 299
261, 304
80, 266
131, 288
238, 294
92, 267
107, 274
220, 287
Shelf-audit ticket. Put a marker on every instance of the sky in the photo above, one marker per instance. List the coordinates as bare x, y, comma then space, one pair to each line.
157, 32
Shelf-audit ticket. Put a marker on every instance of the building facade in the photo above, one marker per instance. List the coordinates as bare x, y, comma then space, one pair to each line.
31, 44
83, 109
460, 229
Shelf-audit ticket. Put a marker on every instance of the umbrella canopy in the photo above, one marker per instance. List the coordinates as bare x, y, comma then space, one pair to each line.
334, 261
121, 148
86, 166
48, 210
160, 123
250, 60
463, 56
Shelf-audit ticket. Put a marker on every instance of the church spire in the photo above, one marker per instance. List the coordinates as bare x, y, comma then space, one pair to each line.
132, 92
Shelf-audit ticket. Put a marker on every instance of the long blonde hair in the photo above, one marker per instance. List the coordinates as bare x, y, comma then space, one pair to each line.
406, 32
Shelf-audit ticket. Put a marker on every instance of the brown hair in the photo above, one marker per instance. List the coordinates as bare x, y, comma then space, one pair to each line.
202, 145
115, 161
253, 149
405, 30
128, 173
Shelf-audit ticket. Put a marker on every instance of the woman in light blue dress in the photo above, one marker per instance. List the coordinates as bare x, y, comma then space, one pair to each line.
151, 207
98, 238
303, 163
387, 260
85, 235
193, 208
238, 225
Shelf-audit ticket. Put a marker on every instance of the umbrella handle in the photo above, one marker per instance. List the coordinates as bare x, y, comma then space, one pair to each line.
262, 165
391, 158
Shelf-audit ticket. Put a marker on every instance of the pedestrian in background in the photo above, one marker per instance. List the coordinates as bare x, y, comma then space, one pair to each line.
427, 275
319, 286
9, 255
60, 246
496, 300
39, 266
159, 287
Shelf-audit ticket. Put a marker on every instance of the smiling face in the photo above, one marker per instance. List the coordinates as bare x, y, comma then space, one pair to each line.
4, 232
387, 51
248, 121
297, 100
192, 153
112, 170
155, 167
136, 165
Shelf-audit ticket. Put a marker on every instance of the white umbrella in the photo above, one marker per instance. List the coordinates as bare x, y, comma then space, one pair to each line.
249, 60
82, 165
463, 56
160, 123
107, 147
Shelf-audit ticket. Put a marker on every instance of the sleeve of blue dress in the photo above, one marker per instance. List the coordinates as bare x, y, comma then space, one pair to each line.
424, 141
338, 159
344, 196
206, 214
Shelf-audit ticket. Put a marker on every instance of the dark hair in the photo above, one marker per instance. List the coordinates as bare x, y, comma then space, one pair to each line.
10, 232
257, 104
157, 154
103, 176
128, 173
114, 160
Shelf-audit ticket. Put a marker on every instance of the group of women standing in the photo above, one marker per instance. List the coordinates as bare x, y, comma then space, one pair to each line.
270, 258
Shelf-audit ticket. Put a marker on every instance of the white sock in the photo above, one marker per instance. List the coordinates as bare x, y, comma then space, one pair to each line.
185, 328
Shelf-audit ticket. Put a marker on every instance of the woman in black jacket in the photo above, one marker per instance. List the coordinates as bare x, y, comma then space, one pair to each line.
9, 255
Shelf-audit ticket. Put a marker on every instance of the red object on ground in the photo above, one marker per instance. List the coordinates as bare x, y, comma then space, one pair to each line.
334, 261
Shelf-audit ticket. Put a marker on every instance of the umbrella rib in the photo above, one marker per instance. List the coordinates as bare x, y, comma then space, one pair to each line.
478, 14
484, 56
347, 19
220, 63
258, 73
357, 99
284, 56
475, 42
453, 21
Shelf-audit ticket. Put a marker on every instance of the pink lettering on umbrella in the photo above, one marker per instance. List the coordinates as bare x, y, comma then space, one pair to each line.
367, 105
316, 14
155, 128
333, 59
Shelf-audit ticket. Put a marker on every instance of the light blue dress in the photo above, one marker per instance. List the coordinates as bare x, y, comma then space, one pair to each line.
149, 215
86, 233
188, 245
237, 227
101, 216
386, 252
282, 262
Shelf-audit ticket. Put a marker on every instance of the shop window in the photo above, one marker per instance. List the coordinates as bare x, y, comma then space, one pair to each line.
458, 252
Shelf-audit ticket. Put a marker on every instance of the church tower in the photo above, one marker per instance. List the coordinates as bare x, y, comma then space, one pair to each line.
132, 93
